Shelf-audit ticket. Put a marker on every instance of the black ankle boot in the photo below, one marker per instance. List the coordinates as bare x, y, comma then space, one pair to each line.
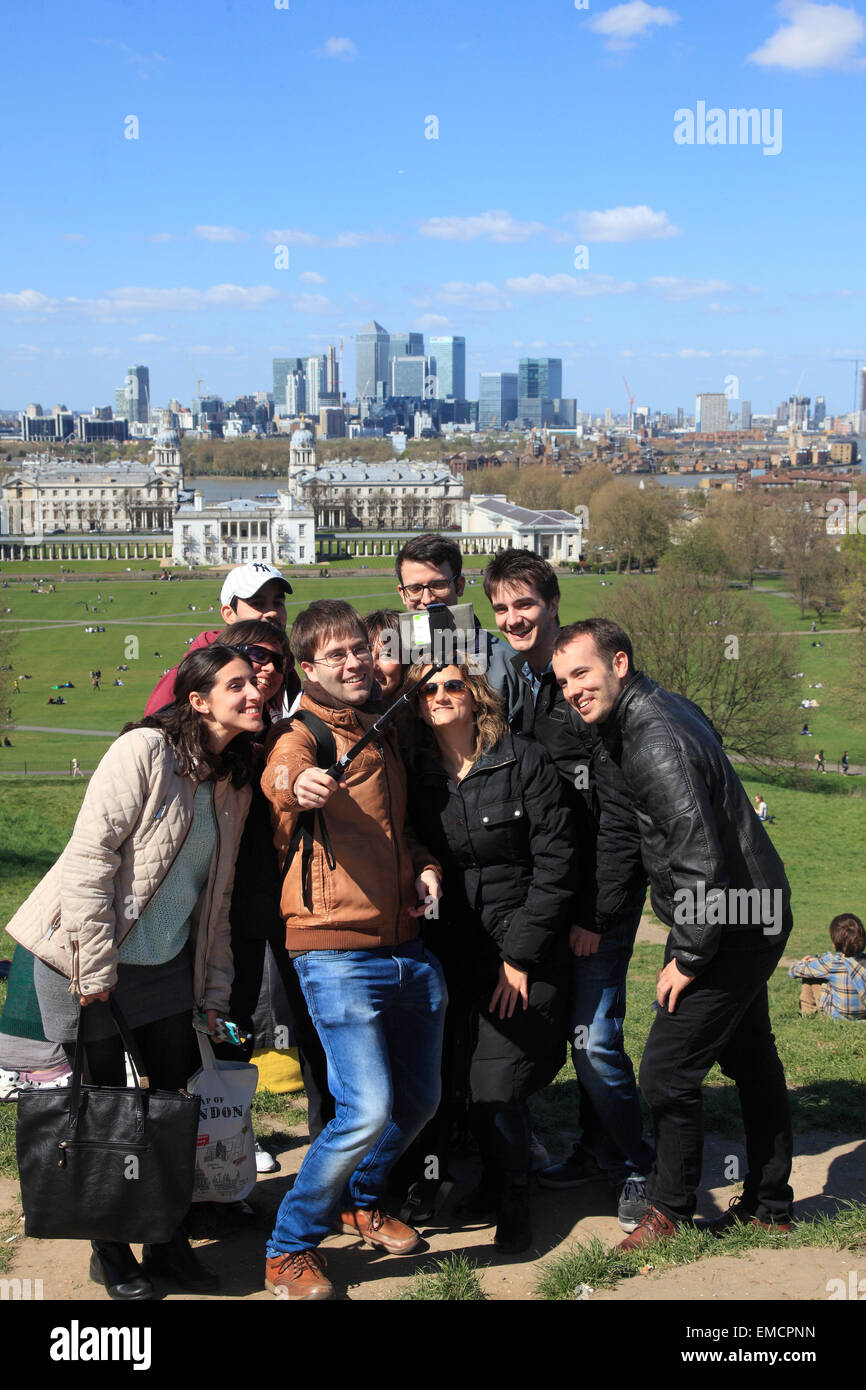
482, 1203
178, 1262
115, 1266
513, 1232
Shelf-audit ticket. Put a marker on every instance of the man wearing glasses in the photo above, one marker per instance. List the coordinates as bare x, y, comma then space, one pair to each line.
430, 570
350, 901
249, 592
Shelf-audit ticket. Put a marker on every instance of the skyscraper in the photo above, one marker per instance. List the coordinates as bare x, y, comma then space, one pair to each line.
132, 401
711, 412
746, 415
497, 398
448, 365
863, 388
539, 378
332, 373
371, 361
408, 375
402, 345
283, 368
314, 369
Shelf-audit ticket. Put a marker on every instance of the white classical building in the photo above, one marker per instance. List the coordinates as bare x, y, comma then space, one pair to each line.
74, 509
494, 522
373, 496
242, 530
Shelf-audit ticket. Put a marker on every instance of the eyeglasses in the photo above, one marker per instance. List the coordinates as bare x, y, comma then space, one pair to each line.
361, 652
436, 586
455, 687
263, 656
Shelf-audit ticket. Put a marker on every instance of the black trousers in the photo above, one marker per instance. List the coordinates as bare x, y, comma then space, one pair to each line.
168, 1050
722, 1017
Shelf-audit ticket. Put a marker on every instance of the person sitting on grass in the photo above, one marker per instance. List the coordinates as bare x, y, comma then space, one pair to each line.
762, 810
835, 983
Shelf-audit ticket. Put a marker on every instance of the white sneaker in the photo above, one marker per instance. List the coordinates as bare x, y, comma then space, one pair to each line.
265, 1162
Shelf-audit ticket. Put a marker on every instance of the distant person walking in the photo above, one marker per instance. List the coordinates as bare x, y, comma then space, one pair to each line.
844, 763
819, 761
76, 770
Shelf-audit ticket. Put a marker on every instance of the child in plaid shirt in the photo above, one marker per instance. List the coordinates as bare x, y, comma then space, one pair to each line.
835, 983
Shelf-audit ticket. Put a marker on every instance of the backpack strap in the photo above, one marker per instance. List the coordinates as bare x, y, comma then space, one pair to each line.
305, 830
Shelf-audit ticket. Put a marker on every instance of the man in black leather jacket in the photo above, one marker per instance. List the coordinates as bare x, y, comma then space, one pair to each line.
524, 593
717, 882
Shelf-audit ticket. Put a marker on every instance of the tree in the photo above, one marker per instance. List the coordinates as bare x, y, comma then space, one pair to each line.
632, 523
701, 549
808, 553
699, 638
743, 520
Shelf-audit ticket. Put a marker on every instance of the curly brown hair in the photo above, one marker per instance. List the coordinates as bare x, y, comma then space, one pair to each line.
488, 716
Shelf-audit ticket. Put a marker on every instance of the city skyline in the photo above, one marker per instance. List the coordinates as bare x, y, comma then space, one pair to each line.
569, 219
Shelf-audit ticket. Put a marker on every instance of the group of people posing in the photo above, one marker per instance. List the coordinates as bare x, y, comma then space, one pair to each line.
446, 917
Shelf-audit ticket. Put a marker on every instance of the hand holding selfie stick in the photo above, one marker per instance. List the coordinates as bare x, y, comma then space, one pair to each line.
440, 619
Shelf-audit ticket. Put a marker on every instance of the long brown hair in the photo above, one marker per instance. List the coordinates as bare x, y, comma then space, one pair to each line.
488, 717
183, 727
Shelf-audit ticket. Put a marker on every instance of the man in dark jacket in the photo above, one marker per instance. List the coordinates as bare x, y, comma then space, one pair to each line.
524, 592
717, 882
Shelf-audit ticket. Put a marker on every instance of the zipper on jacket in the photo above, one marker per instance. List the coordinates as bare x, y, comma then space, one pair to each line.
394, 840
216, 861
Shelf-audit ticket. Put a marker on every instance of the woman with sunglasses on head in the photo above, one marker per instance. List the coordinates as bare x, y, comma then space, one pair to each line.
137, 907
488, 804
258, 1004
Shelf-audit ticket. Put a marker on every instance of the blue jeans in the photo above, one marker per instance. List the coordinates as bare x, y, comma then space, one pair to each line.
379, 1014
603, 1067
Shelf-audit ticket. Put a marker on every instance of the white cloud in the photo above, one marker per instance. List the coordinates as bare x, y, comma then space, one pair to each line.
742, 352
814, 36
483, 295
148, 338
293, 236
138, 299
638, 223
496, 225
209, 233
74, 236
432, 321
675, 288
102, 352
693, 352
344, 49
570, 286
312, 277
161, 236
28, 347
28, 301
625, 23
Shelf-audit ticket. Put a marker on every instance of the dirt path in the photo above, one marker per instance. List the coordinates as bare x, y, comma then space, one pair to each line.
826, 1168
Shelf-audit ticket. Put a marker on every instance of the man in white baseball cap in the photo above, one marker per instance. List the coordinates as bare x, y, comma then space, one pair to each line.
248, 592
255, 591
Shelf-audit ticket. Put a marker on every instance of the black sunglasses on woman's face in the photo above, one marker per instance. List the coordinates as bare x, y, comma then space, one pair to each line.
263, 656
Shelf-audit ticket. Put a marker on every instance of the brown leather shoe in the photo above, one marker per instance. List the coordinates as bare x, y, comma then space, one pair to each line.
298, 1275
654, 1226
739, 1215
376, 1228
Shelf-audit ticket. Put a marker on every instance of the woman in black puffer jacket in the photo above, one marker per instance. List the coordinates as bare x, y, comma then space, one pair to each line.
488, 804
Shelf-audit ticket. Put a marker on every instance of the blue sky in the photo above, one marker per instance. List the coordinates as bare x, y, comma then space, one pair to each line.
306, 128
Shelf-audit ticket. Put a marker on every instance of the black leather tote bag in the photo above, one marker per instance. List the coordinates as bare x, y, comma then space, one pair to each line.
106, 1162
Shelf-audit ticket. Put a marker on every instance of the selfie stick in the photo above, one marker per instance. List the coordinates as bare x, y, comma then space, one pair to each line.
440, 620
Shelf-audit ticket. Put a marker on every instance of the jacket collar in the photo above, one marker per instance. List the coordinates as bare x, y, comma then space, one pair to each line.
611, 729
315, 692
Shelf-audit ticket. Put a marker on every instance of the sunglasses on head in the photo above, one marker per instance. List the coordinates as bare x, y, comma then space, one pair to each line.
452, 687
262, 656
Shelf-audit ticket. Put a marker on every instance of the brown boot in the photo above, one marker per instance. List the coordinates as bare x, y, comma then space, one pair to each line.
300, 1274
376, 1228
654, 1226
738, 1214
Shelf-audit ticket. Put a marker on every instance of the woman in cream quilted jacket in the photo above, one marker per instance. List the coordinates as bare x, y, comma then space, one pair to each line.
138, 905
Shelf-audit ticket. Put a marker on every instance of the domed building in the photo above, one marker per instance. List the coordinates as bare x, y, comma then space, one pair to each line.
167, 457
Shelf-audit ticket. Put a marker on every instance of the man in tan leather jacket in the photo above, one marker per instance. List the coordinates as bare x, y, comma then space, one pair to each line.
350, 904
